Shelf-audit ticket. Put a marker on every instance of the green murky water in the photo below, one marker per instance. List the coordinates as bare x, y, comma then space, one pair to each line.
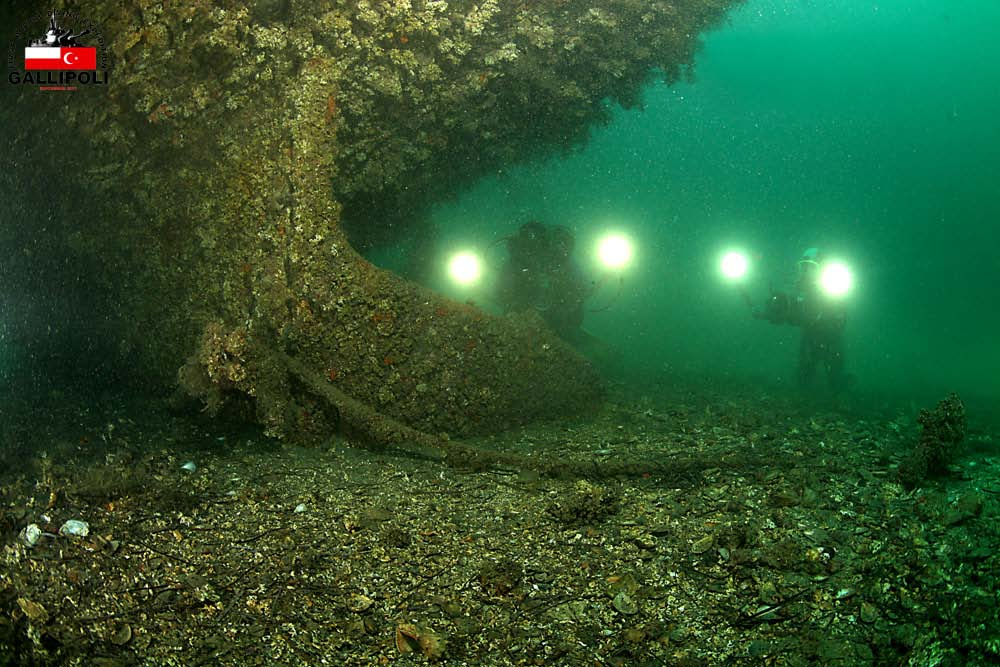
746, 525
867, 129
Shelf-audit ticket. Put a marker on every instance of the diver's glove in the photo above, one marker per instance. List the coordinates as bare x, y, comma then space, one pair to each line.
776, 310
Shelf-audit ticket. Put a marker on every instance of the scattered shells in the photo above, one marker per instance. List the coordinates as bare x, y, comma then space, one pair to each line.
624, 603
359, 603
768, 593
869, 613
406, 638
35, 612
190, 466
30, 534
491, 568
411, 638
122, 635
845, 593
75, 528
702, 545
680, 635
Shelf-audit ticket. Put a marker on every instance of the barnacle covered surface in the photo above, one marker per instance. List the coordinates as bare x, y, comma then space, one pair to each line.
212, 175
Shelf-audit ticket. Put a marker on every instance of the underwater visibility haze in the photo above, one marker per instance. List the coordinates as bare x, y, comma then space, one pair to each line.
865, 129
569, 332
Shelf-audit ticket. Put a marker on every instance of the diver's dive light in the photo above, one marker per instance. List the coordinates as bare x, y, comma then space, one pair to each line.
465, 268
835, 279
734, 265
614, 251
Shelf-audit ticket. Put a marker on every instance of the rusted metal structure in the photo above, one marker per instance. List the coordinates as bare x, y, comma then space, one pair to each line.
204, 186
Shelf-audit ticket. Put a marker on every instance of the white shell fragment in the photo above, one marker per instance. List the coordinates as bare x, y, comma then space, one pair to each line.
624, 603
300, 508
189, 466
75, 528
30, 534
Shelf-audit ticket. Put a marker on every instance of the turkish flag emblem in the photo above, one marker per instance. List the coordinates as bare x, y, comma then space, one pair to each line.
60, 57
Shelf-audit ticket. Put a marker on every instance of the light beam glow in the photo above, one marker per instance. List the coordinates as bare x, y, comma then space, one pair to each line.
465, 268
615, 251
836, 279
734, 265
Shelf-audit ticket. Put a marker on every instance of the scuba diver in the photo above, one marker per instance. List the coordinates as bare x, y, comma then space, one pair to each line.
540, 273
821, 319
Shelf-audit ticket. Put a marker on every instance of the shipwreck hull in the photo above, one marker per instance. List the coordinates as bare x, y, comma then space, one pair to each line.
210, 177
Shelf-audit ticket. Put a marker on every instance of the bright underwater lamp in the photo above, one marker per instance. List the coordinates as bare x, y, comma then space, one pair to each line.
615, 251
465, 268
734, 265
835, 279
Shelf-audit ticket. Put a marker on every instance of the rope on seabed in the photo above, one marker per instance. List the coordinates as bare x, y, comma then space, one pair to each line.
385, 431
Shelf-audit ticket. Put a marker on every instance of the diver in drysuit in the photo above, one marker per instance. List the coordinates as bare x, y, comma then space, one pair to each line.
821, 319
540, 273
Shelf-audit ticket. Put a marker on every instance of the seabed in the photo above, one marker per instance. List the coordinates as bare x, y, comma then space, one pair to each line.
785, 539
